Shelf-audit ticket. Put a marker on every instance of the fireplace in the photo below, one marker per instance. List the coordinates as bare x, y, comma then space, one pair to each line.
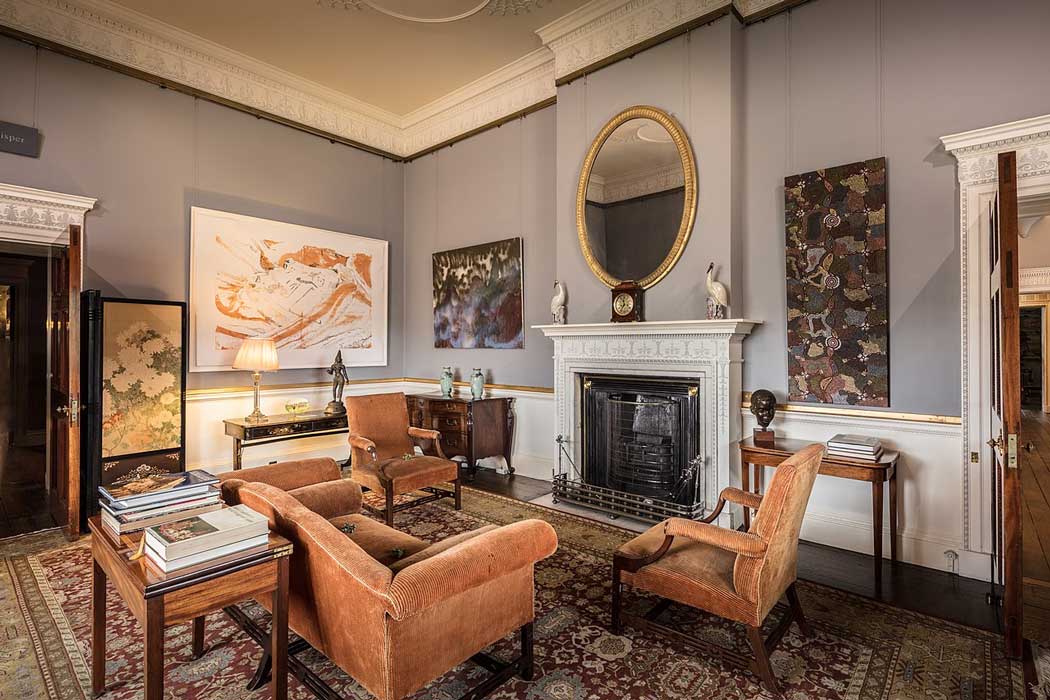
642, 447
671, 391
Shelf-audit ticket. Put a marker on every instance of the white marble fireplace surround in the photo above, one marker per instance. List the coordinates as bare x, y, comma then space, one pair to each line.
707, 351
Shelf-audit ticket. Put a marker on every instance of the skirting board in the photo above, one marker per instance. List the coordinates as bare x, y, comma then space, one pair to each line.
929, 484
208, 446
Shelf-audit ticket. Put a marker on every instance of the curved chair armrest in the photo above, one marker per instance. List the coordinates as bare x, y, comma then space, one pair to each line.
423, 433
330, 499
470, 564
743, 543
744, 498
362, 443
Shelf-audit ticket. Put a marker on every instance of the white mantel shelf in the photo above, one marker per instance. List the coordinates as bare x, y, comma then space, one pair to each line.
730, 326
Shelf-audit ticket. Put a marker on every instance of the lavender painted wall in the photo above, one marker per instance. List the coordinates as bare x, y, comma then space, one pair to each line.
150, 154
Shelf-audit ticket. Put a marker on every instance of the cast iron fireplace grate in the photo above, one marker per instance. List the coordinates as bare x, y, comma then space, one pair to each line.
641, 448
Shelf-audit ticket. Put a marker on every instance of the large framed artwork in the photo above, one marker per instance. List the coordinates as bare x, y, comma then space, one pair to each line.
478, 296
837, 291
133, 390
313, 291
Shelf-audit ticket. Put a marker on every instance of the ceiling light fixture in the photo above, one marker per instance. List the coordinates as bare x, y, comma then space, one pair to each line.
495, 7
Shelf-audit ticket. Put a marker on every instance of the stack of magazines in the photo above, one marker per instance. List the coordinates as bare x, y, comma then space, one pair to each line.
202, 538
156, 499
859, 447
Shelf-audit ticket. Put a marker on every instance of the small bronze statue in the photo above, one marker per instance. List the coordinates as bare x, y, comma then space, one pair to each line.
764, 407
339, 379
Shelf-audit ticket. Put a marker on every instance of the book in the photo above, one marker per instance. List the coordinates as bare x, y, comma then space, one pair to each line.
856, 456
157, 488
117, 527
187, 536
213, 495
168, 565
857, 443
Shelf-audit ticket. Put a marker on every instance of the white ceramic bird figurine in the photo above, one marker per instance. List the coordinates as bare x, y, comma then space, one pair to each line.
717, 296
558, 303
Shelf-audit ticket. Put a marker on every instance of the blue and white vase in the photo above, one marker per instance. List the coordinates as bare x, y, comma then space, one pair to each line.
477, 384
446, 382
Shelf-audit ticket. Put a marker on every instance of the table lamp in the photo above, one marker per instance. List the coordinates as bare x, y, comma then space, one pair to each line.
258, 355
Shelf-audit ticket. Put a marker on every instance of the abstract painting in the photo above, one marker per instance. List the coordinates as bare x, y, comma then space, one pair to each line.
837, 292
142, 377
313, 291
478, 296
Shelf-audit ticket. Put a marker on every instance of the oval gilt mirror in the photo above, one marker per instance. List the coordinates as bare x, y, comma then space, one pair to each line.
636, 200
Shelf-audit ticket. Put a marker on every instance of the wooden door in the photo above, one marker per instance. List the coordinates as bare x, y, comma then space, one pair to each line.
1006, 400
66, 271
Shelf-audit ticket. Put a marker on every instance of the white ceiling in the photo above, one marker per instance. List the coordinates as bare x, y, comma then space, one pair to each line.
390, 63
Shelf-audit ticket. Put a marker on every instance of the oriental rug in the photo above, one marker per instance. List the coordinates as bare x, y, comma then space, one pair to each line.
861, 649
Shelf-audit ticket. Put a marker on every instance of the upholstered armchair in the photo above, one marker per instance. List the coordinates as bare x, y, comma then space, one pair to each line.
382, 454
389, 609
736, 575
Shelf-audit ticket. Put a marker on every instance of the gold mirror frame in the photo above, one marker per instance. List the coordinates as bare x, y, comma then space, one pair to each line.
685, 152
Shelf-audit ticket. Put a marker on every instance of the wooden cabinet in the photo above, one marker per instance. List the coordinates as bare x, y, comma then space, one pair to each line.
469, 428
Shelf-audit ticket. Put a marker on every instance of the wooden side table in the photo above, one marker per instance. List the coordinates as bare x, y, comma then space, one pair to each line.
471, 428
280, 427
159, 600
756, 457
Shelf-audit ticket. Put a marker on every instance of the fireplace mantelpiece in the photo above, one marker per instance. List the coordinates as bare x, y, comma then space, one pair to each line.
706, 351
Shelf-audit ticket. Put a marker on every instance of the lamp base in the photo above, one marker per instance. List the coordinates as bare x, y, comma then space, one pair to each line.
257, 416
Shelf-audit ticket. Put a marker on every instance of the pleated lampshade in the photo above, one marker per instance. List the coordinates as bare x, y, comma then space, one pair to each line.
257, 355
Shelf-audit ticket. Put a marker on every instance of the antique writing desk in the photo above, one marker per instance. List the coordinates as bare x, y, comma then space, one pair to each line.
283, 426
159, 600
756, 457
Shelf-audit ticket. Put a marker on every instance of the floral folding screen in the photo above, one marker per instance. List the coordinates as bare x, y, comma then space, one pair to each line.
837, 285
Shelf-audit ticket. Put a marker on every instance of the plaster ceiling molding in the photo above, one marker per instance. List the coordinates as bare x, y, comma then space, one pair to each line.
527, 82
661, 179
124, 36
37, 216
603, 28
494, 7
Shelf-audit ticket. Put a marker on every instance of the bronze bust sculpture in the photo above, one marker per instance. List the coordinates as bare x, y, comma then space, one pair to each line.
763, 407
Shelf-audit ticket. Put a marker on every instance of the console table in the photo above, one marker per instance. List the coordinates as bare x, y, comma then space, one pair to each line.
158, 600
284, 426
471, 428
876, 473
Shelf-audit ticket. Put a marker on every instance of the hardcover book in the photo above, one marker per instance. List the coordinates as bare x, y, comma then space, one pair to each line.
200, 533
157, 488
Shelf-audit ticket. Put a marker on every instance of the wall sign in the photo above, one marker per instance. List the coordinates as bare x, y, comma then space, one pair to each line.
20, 140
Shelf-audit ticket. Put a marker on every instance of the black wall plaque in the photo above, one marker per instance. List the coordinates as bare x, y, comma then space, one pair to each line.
18, 139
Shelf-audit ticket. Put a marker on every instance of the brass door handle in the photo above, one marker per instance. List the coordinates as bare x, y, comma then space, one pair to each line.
1029, 447
64, 410
997, 443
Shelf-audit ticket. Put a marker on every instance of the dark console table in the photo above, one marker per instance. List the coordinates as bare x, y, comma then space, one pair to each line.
285, 426
469, 428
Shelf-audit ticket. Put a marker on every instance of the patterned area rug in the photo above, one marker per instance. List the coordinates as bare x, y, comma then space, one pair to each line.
861, 650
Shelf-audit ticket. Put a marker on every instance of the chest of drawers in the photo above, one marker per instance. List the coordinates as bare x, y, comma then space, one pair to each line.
469, 428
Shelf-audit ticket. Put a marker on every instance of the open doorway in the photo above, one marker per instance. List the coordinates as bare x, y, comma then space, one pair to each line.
1034, 274
26, 504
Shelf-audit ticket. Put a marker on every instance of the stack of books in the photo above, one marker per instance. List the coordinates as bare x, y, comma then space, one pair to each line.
156, 499
202, 538
859, 447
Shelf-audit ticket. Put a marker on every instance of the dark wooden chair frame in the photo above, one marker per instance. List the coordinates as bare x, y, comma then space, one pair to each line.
435, 493
759, 664
500, 671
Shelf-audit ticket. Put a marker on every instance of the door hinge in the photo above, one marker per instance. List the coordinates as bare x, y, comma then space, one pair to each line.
1011, 451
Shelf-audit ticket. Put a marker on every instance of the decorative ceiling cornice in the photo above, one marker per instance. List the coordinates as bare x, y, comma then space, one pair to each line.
129, 41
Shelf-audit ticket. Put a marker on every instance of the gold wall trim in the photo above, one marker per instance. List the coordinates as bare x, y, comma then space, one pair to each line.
383, 380
859, 413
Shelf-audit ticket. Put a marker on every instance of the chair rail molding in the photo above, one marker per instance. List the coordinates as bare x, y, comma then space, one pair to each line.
29, 215
976, 152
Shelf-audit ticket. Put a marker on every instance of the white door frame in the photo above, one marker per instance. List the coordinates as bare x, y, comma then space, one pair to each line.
976, 152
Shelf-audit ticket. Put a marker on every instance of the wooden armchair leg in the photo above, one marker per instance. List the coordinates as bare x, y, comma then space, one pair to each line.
796, 611
762, 667
459, 494
526, 664
262, 672
389, 493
